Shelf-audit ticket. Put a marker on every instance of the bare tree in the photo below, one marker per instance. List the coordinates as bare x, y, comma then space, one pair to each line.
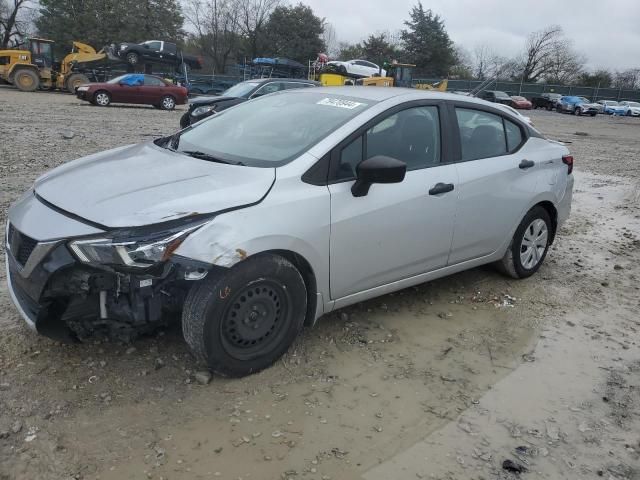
217, 27
15, 19
253, 17
564, 64
483, 57
627, 79
539, 48
330, 40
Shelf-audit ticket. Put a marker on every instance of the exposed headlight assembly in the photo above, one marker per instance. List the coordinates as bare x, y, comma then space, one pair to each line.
142, 251
202, 110
123, 47
82, 89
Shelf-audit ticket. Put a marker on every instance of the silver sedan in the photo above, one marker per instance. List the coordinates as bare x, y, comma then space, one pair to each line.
259, 220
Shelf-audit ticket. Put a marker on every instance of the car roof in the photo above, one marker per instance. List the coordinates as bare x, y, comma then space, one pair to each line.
277, 79
380, 94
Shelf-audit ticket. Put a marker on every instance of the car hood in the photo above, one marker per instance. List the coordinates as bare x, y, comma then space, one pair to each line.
209, 100
145, 184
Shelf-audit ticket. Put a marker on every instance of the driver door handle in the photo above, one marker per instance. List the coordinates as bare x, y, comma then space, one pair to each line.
439, 188
524, 164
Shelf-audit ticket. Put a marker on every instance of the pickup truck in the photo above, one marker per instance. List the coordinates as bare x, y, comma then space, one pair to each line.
548, 101
155, 51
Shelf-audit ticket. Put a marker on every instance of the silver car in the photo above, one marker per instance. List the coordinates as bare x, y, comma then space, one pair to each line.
259, 220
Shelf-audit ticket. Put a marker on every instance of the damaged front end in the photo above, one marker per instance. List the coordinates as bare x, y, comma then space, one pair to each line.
116, 284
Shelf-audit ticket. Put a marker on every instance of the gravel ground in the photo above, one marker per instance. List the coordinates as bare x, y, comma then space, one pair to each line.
446, 380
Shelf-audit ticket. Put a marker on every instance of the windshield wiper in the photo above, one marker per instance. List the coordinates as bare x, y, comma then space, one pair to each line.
207, 157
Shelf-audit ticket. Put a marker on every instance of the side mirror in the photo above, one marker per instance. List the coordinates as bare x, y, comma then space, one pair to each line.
378, 169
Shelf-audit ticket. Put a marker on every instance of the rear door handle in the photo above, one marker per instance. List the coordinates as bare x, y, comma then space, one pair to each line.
439, 188
524, 164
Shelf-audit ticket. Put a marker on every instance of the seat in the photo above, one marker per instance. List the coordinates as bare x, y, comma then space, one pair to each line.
484, 142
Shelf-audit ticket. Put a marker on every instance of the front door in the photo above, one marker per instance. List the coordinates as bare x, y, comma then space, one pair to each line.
397, 230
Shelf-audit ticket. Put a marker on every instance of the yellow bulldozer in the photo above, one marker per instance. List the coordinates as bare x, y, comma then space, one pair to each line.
34, 68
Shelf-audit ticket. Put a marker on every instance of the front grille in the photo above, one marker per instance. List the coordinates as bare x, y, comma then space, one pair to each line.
21, 245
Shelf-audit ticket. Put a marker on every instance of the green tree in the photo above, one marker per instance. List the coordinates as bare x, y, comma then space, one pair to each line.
378, 49
349, 51
600, 78
427, 43
295, 33
100, 22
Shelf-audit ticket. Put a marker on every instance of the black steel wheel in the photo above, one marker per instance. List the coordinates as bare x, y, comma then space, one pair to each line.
241, 321
255, 319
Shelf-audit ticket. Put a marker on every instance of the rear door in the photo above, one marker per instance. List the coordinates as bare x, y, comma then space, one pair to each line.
153, 90
400, 230
497, 181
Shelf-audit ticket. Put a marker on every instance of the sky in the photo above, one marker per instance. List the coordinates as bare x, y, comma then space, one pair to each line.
607, 32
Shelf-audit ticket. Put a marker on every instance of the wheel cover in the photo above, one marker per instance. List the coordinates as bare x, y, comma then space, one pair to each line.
102, 99
168, 103
132, 58
256, 319
534, 243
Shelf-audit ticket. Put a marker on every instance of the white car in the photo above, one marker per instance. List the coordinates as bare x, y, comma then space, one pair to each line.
515, 112
360, 68
632, 109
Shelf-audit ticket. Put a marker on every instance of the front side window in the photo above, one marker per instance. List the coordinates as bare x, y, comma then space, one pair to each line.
154, 45
411, 135
481, 134
268, 88
272, 130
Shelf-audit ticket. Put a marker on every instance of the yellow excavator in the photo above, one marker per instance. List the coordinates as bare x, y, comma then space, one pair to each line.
34, 68
397, 75
401, 75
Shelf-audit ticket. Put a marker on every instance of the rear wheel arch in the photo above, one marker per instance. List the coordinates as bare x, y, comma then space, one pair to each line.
553, 214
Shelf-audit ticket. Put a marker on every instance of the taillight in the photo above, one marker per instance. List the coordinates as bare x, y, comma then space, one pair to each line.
568, 161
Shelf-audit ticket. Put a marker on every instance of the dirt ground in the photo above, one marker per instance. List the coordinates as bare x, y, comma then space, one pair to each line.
442, 381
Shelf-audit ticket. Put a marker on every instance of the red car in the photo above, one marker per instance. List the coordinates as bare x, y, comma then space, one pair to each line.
134, 88
521, 102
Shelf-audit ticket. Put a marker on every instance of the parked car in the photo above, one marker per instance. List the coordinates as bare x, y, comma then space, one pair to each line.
548, 101
610, 107
359, 68
156, 51
496, 96
631, 109
134, 88
521, 103
205, 106
513, 111
577, 106
270, 214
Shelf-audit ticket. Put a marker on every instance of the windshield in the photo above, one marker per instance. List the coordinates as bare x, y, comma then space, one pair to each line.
633, 104
240, 90
501, 95
611, 102
271, 130
519, 99
117, 79
585, 100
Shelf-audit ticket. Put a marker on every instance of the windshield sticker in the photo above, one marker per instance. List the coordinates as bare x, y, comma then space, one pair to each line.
340, 103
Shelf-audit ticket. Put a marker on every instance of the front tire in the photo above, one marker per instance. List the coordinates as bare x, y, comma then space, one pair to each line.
185, 120
26, 80
133, 58
577, 112
244, 320
529, 245
102, 98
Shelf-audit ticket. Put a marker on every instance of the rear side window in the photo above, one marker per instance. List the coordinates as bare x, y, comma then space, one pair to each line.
153, 82
485, 135
481, 134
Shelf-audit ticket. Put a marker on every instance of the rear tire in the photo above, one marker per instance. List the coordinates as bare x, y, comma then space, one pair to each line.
26, 80
242, 321
102, 98
529, 245
168, 103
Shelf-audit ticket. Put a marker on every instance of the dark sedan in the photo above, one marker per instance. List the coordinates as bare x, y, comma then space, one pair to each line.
134, 88
205, 106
